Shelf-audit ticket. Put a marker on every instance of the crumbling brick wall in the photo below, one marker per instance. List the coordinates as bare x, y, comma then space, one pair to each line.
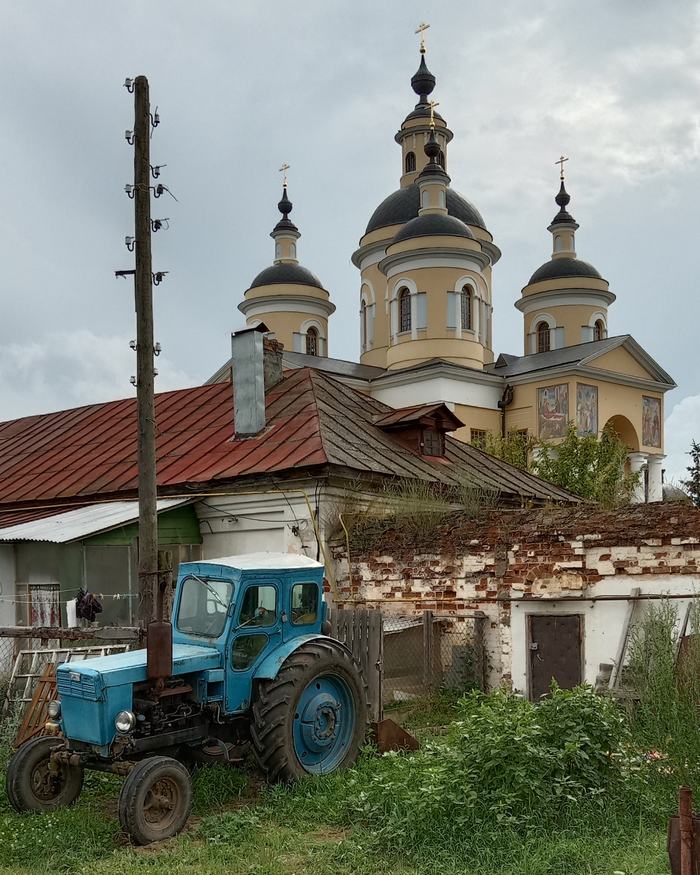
508, 558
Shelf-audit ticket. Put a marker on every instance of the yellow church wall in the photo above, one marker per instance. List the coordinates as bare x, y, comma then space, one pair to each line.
481, 418
277, 291
571, 317
437, 242
407, 352
285, 324
621, 362
376, 353
574, 282
613, 400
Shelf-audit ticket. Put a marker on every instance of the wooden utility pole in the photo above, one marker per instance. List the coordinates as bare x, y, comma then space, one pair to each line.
143, 289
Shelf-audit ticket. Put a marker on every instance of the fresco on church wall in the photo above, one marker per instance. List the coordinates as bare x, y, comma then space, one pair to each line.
651, 421
586, 409
553, 411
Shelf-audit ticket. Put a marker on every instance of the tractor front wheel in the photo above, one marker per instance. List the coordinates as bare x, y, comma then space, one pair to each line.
34, 783
155, 800
311, 718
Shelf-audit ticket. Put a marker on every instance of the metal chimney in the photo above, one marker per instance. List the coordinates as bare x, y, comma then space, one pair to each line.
257, 365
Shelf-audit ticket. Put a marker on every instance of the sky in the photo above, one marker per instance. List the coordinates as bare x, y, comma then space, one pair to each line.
324, 85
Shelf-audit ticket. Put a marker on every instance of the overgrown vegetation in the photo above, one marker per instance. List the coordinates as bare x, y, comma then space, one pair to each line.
515, 447
500, 786
692, 482
590, 466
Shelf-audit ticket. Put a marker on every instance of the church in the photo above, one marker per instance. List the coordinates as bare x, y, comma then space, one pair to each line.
426, 265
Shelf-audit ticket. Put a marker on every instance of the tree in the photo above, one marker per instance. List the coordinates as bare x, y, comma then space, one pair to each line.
692, 483
590, 466
515, 447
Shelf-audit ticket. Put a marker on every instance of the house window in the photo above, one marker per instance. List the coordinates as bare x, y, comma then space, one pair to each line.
410, 162
598, 330
543, 341
404, 310
312, 341
478, 437
433, 442
465, 302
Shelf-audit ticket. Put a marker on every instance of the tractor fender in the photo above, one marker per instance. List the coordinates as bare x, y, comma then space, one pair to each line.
270, 666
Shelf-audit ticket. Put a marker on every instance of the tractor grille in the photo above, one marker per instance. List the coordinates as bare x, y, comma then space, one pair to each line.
81, 689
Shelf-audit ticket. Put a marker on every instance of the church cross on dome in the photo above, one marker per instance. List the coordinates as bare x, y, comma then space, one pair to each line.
433, 104
283, 170
421, 29
560, 162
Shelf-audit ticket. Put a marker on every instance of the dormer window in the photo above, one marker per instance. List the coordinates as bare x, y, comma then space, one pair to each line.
421, 429
433, 442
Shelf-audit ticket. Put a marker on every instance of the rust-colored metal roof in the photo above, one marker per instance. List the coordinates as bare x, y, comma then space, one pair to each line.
90, 452
417, 412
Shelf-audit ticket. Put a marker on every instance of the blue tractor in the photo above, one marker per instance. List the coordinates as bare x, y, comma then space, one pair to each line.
247, 661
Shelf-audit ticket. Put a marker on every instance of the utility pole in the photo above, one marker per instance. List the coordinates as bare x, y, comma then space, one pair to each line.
143, 291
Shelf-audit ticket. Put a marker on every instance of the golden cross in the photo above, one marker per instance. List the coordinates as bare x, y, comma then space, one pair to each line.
433, 104
560, 162
283, 170
421, 29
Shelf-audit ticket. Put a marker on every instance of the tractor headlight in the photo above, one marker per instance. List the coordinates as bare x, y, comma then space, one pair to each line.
125, 721
54, 710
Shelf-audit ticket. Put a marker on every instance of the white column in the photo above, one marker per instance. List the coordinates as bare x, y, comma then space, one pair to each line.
637, 462
656, 487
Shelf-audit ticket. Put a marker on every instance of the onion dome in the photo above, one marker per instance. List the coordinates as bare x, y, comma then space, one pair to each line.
562, 200
558, 268
285, 207
433, 225
423, 81
402, 205
286, 273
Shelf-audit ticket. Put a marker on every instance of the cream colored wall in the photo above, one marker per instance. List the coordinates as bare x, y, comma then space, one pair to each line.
437, 340
621, 362
414, 135
476, 417
285, 324
376, 354
278, 291
434, 242
613, 400
570, 317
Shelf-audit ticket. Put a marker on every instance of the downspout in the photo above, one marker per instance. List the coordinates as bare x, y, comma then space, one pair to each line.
506, 400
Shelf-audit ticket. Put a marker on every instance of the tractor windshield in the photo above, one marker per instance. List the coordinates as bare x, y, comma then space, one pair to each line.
203, 606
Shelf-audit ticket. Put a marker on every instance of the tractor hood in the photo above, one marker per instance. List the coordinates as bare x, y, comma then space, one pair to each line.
130, 668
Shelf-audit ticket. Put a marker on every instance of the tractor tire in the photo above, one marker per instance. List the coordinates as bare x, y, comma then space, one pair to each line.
311, 718
155, 800
30, 784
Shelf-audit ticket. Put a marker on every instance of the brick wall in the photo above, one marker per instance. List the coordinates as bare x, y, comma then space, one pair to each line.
507, 559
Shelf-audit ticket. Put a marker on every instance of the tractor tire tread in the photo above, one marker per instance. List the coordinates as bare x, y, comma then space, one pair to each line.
143, 774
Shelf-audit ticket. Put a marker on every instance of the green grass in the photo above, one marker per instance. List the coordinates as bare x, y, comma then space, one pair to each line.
408, 815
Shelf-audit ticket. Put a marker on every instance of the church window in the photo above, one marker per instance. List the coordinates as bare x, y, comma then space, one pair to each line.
598, 330
312, 341
410, 162
478, 438
404, 310
465, 301
543, 337
441, 159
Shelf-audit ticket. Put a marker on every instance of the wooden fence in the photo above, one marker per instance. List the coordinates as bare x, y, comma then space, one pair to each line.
362, 633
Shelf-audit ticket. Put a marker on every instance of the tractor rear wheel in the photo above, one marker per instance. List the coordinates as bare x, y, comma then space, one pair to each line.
311, 718
155, 800
34, 784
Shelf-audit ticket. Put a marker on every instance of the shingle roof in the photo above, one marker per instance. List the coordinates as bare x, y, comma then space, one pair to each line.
313, 421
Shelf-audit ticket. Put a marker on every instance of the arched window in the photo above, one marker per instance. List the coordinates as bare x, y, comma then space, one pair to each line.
404, 300
410, 162
465, 307
598, 329
312, 341
543, 337
363, 324
441, 159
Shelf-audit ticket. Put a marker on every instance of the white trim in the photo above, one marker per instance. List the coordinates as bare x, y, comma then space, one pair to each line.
415, 259
564, 298
572, 369
286, 304
370, 298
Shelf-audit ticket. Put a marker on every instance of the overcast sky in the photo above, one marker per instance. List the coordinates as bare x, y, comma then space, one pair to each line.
322, 85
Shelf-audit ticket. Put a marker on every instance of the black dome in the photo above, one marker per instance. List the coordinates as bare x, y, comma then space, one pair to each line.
403, 205
563, 267
286, 273
431, 225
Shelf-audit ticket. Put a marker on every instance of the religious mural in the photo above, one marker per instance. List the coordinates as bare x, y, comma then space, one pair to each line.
553, 411
586, 409
651, 421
